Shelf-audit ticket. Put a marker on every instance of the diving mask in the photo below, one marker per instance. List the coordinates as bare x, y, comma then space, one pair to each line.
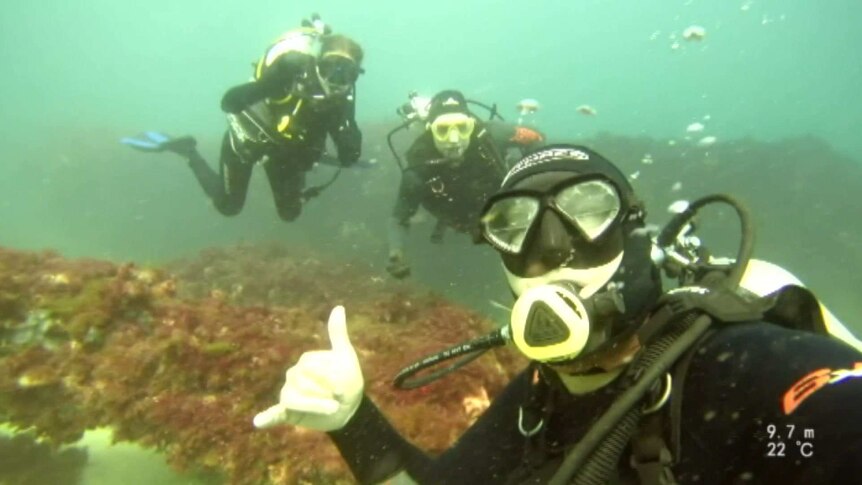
452, 127
590, 206
452, 132
337, 72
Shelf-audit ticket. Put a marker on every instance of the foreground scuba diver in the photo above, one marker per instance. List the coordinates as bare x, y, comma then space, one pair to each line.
303, 89
452, 168
712, 382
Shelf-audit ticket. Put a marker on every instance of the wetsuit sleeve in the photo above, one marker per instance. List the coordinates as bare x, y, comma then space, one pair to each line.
772, 405
409, 197
275, 82
485, 453
406, 205
346, 135
397, 234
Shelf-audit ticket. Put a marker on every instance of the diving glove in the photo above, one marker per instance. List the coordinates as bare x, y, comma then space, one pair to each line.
155, 142
397, 265
324, 389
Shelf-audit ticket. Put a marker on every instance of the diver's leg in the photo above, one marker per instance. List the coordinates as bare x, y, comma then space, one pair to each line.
227, 189
287, 181
438, 232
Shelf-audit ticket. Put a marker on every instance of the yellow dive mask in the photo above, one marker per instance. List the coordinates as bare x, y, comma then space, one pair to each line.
452, 127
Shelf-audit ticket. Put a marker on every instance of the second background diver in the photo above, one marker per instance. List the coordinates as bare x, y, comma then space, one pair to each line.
452, 167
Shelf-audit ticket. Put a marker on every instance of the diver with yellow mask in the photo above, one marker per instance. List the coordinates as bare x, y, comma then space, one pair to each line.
739, 375
452, 167
303, 90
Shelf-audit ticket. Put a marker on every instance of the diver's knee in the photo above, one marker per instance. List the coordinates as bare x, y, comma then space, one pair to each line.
289, 212
228, 209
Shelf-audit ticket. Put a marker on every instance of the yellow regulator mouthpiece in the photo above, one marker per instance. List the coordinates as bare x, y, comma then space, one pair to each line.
549, 323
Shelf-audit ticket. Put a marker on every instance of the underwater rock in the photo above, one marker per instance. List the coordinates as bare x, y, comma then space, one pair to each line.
184, 372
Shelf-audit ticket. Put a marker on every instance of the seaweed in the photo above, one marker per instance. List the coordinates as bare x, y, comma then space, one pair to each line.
180, 359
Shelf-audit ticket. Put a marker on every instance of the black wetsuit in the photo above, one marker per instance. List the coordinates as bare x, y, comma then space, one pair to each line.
753, 396
454, 193
291, 89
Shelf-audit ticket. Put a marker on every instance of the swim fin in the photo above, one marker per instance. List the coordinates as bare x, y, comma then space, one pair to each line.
154, 142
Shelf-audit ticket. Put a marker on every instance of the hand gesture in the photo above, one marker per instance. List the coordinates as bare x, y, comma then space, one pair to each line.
324, 389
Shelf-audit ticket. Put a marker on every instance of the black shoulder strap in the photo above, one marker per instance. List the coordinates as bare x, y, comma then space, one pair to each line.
680, 372
652, 458
488, 150
722, 304
791, 307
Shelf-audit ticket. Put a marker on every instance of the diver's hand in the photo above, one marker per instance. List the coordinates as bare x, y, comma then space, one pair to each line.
397, 265
232, 102
238, 98
184, 146
348, 141
324, 389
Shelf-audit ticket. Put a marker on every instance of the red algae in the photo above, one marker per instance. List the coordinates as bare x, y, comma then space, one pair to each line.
180, 359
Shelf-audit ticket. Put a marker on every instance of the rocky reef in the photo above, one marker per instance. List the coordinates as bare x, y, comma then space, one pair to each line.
181, 358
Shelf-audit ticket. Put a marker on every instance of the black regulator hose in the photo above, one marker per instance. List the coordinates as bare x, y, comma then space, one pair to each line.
492, 110
746, 247
608, 437
468, 351
392, 147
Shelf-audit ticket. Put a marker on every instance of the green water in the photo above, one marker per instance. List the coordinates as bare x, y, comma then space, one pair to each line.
80, 75
114, 463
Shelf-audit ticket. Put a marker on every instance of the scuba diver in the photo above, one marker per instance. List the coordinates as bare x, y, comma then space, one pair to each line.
303, 89
739, 375
452, 168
